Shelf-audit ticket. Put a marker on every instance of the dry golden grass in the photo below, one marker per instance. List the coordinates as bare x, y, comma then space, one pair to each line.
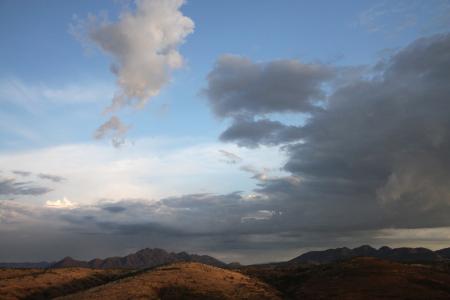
46, 284
182, 281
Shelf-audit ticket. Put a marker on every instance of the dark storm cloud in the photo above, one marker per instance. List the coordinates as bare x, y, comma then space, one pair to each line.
238, 86
147, 228
251, 133
10, 186
386, 141
375, 156
54, 178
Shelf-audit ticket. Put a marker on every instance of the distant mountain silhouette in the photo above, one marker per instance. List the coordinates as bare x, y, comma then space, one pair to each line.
145, 258
26, 265
68, 262
394, 254
444, 253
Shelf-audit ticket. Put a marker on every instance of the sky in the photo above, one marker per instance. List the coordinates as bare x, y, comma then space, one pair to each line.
252, 131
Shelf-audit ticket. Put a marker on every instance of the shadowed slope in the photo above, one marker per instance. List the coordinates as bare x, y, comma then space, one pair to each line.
357, 278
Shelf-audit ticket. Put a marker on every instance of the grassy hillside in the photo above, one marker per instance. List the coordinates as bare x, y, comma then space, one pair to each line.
50, 283
182, 281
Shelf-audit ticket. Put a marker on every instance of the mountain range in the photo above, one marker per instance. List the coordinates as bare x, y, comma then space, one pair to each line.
147, 258
403, 254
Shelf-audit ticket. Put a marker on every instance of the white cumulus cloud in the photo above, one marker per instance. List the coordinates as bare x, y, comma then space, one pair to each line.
143, 45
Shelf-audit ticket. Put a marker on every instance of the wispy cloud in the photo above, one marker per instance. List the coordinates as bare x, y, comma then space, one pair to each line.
11, 186
54, 178
21, 173
393, 17
31, 96
153, 168
230, 157
113, 128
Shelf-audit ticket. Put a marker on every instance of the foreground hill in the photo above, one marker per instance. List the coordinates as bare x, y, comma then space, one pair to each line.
145, 258
182, 281
47, 284
357, 278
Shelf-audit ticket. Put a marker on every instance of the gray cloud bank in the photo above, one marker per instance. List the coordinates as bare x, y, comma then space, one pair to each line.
375, 156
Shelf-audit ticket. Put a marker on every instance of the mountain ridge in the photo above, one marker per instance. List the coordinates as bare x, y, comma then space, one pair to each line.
145, 258
402, 254
148, 257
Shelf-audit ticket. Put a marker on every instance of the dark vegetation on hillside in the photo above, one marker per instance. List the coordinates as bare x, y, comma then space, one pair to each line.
356, 278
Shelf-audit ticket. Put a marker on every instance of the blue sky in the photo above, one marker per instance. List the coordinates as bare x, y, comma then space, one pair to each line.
55, 87
41, 51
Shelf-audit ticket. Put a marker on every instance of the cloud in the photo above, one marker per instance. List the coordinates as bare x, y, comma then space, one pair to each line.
113, 128
258, 228
21, 173
230, 158
63, 203
248, 92
33, 95
143, 45
392, 18
371, 164
10, 186
376, 156
114, 209
251, 133
54, 178
237, 86
373, 157
377, 148
153, 168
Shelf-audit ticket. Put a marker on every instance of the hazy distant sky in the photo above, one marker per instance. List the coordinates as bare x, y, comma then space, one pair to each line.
248, 130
